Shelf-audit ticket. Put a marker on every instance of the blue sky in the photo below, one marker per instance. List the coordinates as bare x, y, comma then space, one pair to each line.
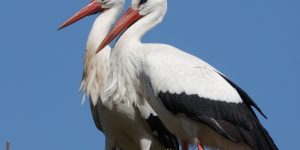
256, 43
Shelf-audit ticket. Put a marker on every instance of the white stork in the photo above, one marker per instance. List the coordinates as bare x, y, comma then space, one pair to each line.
125, 126
194, 100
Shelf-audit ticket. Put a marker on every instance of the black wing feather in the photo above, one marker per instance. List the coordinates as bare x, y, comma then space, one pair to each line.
166, 138
95, 115
235, 121
245, 97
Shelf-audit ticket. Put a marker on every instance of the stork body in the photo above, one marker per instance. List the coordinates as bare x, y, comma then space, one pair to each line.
115, 120
194, 100
124, 125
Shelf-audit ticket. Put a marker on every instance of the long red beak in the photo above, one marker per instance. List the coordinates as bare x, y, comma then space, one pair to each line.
129, 17
90, 9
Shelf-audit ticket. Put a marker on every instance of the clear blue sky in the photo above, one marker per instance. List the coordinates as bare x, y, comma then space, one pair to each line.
256, 43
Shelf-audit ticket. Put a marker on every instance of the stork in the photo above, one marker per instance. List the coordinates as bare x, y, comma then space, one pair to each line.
124, 125
195, 101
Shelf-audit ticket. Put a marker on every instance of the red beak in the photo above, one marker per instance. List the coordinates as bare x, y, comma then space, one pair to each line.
90, 9
129, 17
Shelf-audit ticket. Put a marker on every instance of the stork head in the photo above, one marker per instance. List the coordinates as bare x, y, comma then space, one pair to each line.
148, 6
107, 4
138, 10
94, 7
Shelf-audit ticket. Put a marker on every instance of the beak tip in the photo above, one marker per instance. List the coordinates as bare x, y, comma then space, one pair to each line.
98, 50
91, 8
61, 27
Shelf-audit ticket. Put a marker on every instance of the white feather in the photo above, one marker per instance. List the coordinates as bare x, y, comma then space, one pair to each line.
121, 121
179, 72
148, 69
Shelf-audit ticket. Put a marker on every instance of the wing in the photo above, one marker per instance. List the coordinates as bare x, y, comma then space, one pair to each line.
95, 115
188, 85
159, 131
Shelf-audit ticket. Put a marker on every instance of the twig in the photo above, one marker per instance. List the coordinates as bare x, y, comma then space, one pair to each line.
7, 146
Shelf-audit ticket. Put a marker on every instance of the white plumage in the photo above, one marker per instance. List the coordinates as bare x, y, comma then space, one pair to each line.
124, 125
195, 101
179, 72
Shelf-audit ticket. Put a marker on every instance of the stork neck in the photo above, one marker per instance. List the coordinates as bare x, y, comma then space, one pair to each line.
125, 58
134, 33
101, 27
93, 74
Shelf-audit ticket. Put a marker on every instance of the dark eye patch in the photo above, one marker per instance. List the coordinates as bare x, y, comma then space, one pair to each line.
142, 2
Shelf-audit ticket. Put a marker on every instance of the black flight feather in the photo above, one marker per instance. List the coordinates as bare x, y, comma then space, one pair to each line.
167, 139
235, 121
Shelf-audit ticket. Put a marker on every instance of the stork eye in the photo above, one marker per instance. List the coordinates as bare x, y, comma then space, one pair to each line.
142, 2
